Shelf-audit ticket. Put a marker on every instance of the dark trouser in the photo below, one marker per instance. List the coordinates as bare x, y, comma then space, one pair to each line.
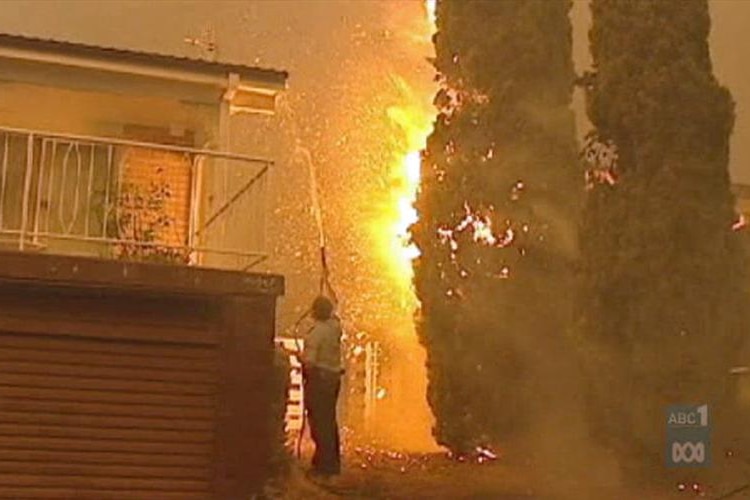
321, 393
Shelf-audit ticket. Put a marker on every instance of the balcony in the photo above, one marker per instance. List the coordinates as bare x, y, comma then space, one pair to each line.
129, 200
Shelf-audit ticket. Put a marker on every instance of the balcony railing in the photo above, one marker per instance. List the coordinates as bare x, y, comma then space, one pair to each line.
131, 200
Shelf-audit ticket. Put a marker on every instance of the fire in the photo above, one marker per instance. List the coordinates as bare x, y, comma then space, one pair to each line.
413, 120
481, 230
740, 223
404, 418
414, 124
431, 6
601, 159
407, 212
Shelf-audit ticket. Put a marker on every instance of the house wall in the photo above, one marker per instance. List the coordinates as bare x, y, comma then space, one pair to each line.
164, 177
90, 112
245, 225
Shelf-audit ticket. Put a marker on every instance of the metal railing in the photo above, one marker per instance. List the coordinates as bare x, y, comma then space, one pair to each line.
114, 198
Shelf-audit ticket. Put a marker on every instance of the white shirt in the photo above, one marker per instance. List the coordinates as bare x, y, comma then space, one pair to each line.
323, 345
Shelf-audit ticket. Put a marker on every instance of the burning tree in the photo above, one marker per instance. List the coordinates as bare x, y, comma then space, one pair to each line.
663, 283
497, 197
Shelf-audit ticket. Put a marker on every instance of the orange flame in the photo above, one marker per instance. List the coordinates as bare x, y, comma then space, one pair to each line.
431, 6
404, 414
415, 122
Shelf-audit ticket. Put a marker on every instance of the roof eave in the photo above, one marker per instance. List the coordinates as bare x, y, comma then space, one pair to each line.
272, 83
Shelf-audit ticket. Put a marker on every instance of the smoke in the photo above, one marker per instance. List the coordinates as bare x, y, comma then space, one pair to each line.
564, 456
565, 461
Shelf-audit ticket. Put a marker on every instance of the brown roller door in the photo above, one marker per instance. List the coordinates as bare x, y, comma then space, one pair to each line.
100, 419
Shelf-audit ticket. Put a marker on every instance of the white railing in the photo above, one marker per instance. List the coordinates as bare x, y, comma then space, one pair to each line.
131, 200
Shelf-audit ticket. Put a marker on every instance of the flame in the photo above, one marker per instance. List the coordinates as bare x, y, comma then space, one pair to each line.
404, 418
415, 120
431, 6
740, 223
407, 213
411, 118
415, 124
481, 231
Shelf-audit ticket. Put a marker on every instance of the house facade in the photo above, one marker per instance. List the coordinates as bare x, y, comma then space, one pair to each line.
136, 339
108, 152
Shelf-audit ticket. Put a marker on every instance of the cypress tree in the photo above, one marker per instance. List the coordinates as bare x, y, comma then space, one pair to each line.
663, 278
499, 183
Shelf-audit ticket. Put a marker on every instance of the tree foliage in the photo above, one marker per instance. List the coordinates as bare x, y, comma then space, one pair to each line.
497, 197
663, 291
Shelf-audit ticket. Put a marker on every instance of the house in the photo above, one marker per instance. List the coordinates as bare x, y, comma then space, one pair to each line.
135, 336
91, 134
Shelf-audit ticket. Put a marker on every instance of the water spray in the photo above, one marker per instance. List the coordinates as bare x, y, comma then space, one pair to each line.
325, 283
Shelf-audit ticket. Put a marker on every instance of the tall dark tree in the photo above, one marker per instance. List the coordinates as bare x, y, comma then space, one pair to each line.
663, 293
497, 199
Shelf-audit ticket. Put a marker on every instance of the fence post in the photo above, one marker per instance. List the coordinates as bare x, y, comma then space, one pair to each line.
26, 190
196, 195
371, 384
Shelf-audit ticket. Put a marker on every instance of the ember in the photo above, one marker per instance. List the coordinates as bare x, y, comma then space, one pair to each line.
741, 223
480, 227
600, 157
480, 455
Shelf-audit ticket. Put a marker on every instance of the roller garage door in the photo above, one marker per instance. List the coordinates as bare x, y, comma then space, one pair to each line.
141, 381
106, 418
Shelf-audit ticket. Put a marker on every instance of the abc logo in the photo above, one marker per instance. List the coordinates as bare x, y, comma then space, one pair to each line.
697, 417
688, 452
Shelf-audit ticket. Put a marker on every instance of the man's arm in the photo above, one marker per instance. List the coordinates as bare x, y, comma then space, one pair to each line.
312, 345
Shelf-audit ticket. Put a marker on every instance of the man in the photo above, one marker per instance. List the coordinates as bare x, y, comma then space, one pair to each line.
321, 360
